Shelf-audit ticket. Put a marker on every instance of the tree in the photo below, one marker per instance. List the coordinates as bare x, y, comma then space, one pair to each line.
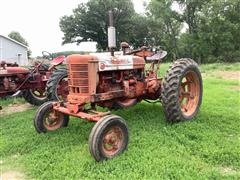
17, 37
215, 35
139, 34
165, 25
89, 22
191, 9
220, 28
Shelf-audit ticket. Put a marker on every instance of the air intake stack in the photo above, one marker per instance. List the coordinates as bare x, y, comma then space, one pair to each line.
111, 34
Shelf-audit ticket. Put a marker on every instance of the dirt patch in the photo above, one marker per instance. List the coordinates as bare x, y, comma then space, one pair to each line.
227, 170
15, 108
236, 88
12, 175
226, 75
231, 75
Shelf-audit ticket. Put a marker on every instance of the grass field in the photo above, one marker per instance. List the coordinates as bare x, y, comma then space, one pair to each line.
207, 147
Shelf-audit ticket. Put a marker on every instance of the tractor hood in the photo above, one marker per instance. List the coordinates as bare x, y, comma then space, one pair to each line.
13, 70
118, 62
106, 62
121, 62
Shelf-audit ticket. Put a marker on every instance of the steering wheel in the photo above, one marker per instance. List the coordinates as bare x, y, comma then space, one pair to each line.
137, 50
47, 55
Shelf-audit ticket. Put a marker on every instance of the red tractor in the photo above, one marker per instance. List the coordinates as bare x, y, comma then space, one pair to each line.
120, 80
31, 82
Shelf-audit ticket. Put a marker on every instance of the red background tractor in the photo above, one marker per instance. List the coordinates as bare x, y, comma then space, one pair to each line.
31, 82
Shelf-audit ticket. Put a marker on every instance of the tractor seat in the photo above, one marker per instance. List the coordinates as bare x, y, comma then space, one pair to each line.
158, 56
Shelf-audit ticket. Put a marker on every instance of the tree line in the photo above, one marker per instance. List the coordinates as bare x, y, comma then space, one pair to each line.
206, 30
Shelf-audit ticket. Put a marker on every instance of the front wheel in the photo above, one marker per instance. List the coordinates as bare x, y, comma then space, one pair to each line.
108, 138
46, 120
182, 91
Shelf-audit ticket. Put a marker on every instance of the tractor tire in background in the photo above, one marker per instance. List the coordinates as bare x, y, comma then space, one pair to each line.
57, 85
38, 96
44, 68
34, 97
182, 89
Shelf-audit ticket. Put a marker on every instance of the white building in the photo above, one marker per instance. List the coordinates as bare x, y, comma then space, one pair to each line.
12, 51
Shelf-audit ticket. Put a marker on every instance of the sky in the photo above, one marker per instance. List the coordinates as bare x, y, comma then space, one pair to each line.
38, 22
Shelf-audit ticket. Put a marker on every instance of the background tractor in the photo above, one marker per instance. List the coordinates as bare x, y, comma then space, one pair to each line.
30, 82
120, 80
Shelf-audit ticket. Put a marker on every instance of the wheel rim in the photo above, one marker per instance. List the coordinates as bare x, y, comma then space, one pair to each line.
112, 141
62, 89
38, 94
52, 121
189, 93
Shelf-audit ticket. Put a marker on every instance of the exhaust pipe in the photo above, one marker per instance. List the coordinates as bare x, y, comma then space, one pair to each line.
111, 34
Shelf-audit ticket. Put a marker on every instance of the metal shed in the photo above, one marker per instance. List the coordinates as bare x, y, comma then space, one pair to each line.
12, 51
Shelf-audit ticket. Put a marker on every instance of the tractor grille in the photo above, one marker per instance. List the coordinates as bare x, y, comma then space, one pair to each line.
79, 78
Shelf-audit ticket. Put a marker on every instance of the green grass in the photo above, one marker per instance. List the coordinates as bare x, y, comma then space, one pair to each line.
221, 67
207, 147
8, 101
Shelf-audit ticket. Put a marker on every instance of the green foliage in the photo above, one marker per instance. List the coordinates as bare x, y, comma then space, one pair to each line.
67, 53
212, 27
8, 101
139, 33
164, 26
89, 22
18, 37
205, 148
214, 31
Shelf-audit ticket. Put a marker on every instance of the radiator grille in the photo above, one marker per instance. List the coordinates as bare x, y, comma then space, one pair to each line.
79, 74
79, 78
79, 67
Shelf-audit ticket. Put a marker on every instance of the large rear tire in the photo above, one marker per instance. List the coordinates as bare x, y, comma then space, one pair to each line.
182, 91
35, 97
57, 85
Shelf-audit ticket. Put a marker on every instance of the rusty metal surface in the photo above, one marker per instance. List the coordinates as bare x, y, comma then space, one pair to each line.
13, 79
9, 71
107, 80
90, 115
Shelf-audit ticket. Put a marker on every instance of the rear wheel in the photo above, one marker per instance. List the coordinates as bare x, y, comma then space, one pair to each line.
57, 85
46, 120
108, 138
182, 91
34, 96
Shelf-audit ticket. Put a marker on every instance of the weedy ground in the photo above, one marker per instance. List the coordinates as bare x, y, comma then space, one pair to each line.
208, 147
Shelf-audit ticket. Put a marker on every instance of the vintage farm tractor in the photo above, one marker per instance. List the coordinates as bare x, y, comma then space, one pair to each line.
31, 82
120, 80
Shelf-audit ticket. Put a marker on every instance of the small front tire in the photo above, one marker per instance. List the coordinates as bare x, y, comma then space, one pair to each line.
45, 119
108, 138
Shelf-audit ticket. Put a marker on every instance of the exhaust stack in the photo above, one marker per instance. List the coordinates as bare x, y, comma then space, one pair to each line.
111, 34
